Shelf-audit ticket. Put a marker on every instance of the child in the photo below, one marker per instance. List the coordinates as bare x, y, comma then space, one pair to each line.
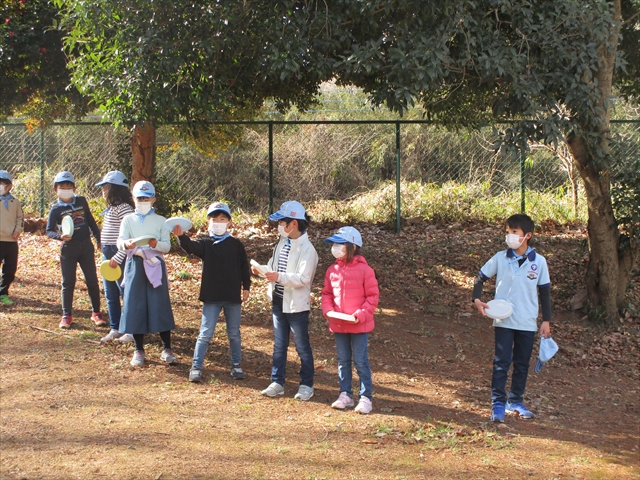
11, 218
75, 249
115, 190
146, 305
225, 272
293, 265
350, 287
521, 275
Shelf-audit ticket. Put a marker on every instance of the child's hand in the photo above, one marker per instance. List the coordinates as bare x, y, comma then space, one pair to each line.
177, 231
113, 263
271, 276
356, 317
65, 238
254, 270
153, 242
545, 330
480, 305
15, 235
245, 295
130, 244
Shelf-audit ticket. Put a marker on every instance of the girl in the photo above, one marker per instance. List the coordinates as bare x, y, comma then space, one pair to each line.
115, 190
146, 307
350, 287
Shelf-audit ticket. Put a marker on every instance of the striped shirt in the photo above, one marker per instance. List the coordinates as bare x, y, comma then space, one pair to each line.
111, 227
283, 259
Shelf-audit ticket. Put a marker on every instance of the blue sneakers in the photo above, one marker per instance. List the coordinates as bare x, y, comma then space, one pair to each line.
520, 409
497, 412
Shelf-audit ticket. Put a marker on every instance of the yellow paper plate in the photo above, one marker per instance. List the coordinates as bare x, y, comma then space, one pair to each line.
108, 273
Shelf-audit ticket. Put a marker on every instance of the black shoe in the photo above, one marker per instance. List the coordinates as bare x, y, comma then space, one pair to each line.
237, 373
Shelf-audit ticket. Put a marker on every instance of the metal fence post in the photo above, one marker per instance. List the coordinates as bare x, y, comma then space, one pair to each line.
41, 172
270, 167
522, 183
398, 213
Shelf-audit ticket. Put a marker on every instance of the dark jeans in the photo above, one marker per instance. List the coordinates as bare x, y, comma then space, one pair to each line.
112, 290
9, 262
512, 346
283, 325
70, 256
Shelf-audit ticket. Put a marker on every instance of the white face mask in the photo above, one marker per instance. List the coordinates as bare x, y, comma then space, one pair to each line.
64, 194
143, 207
338, 251
282, 232
514, 241
3, 189
218, 229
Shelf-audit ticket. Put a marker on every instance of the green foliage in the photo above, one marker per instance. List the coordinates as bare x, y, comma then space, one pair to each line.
625, 195
35, 80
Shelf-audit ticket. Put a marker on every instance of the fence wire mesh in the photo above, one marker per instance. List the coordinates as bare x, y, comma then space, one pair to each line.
311, 162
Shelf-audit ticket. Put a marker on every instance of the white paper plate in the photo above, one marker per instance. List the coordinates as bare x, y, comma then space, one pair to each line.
67, 226
184, 223
142, 240
342, 316
261, 268
498, 309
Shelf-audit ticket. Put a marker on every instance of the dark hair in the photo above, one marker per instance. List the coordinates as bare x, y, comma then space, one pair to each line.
521, 221
117, 194
352, 251
215, 213
302, 224
5, 181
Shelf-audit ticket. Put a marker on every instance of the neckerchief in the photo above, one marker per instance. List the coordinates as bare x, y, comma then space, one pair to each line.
70, 204
5, 199
142, 217
220, 238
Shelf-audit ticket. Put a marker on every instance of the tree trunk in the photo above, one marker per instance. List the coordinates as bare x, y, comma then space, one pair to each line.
603, 277
143, 151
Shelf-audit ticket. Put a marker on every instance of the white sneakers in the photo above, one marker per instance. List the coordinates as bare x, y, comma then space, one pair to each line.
343, 401
273, 390
364, 406
304, 393
112, 335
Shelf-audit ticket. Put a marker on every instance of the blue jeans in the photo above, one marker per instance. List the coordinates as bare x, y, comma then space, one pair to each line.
512, 346
210, 313
298, 324
354, 345
112, 290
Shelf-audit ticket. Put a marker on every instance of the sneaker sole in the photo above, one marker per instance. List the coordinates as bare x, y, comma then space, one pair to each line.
297, 397
339, 407
65, 327
272, 395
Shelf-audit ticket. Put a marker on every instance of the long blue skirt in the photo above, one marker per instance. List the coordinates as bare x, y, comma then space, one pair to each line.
146, 309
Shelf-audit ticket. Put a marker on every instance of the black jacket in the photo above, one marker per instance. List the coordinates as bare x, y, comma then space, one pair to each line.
225, 268
83, 221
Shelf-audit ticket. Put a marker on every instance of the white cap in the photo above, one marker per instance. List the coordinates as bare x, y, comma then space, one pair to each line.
346, 234
115, 177
143, 189
548, 349
290, 209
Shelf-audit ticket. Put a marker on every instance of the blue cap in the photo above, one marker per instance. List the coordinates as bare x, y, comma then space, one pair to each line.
115, 177
290, 209
64, 177
218, 207
548, 349
143, 189
4, 175
344, 235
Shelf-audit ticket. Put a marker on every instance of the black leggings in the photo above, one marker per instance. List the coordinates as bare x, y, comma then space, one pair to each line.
138, 339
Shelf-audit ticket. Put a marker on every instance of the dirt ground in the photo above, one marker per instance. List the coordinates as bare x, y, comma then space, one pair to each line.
72, 408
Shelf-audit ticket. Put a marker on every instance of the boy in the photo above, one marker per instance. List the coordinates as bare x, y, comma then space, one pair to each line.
521, 275
11, 220
293, 265
225, 273
75, 249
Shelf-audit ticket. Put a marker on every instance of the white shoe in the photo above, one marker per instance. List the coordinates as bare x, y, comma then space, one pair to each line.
273, 390
168, 356
364, 406
138, 359
304, 393
343, 401
112, 335
126, 338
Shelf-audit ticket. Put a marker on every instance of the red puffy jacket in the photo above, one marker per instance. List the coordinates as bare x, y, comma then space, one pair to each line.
351, 288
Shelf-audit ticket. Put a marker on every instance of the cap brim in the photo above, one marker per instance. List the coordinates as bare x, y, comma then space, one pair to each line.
335, 239
276, 216
99, 184
144, 194
218, 210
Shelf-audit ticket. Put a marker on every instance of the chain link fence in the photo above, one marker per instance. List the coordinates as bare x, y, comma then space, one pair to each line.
309, 161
